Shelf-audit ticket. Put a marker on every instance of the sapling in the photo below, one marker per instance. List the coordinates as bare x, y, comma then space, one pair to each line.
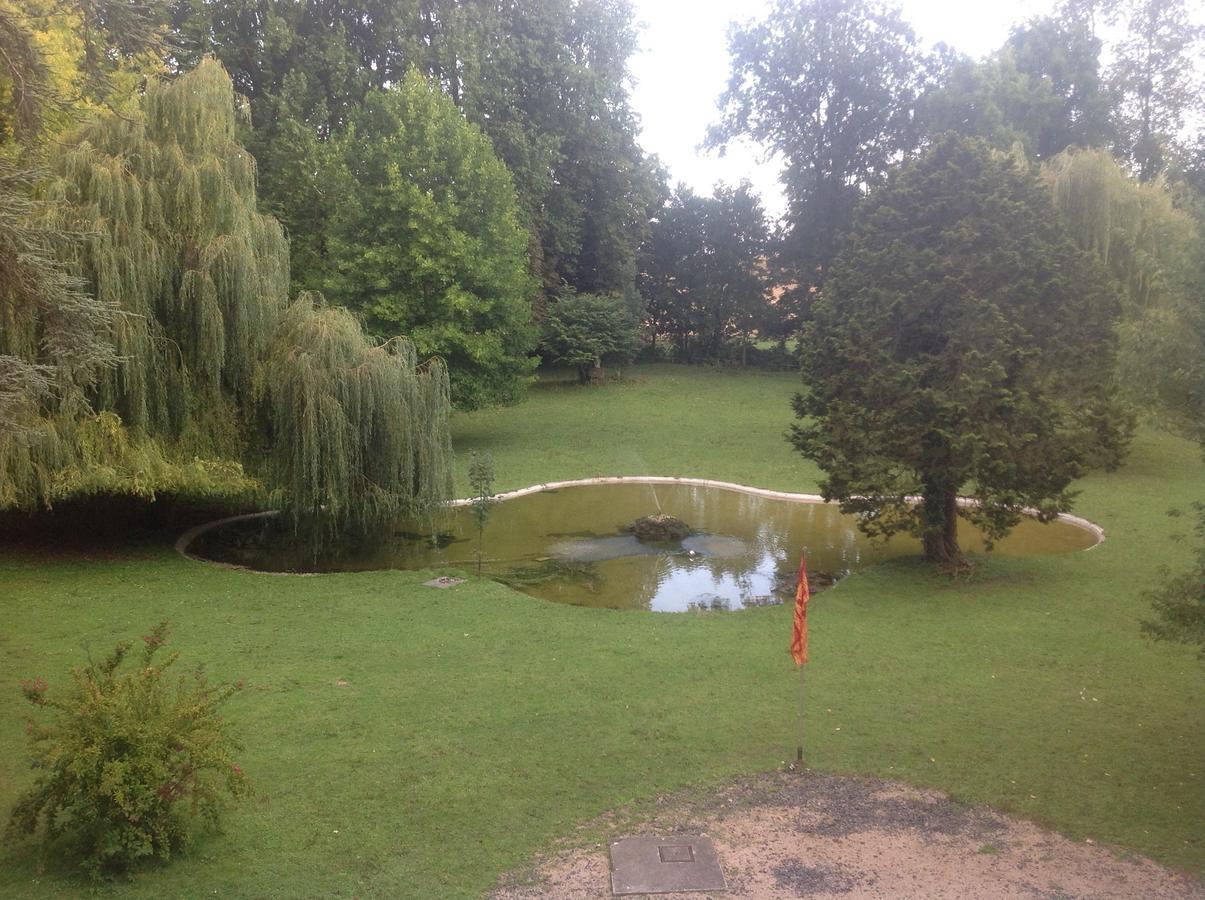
481, 481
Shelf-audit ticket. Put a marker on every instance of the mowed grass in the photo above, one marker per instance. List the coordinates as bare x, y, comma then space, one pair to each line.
479, 725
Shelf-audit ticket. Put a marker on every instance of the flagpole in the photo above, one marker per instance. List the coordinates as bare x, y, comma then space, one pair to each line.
799, 748
799, 646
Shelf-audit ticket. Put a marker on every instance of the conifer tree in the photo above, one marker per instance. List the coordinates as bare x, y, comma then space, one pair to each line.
963, 346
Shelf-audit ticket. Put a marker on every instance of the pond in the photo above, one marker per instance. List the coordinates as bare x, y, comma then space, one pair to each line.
568, 545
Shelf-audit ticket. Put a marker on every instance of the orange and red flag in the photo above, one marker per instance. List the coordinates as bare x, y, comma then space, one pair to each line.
799, 636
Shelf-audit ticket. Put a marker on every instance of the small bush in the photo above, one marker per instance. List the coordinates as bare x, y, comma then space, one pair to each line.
128, 761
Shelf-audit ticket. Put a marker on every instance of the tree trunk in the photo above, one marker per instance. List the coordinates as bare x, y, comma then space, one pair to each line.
939, 512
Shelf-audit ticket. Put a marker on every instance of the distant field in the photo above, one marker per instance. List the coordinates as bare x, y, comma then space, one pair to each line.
479, 725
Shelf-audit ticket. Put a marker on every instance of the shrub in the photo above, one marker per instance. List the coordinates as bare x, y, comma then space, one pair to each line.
125, 757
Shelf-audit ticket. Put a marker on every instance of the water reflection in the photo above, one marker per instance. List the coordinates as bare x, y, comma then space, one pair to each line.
568, 545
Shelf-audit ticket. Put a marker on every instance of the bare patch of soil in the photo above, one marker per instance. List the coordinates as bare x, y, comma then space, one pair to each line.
804, 835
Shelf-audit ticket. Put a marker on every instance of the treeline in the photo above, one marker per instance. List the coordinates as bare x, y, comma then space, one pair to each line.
467, 174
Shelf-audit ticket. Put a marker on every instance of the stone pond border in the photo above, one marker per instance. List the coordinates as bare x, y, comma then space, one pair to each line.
183, 542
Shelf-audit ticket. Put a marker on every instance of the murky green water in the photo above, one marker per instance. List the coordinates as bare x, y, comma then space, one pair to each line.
568, 546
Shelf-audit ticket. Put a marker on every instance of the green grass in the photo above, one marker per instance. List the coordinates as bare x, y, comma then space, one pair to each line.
480, 725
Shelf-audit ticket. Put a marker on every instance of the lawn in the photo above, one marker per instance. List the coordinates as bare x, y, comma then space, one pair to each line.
478, 725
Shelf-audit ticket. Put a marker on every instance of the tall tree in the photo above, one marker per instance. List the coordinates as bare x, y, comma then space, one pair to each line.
831, 87
1155, 76
427, 239
705, 268
1043, 88
962, 345
546, 80
216, 370
54, 336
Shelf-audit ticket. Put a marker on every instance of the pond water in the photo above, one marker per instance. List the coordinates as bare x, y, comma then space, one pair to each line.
568, 545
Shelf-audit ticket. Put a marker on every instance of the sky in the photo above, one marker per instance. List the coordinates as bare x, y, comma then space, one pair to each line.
682, 68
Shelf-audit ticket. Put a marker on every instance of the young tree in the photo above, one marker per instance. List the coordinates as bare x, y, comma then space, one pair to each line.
1179, 603
831, 87
586, 330
963, 345
427, 240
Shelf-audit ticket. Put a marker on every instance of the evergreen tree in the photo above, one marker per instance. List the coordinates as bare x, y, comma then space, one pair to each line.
427, 240
963, 345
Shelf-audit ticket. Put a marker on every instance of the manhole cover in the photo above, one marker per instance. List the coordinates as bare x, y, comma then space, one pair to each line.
443, 581
649, 865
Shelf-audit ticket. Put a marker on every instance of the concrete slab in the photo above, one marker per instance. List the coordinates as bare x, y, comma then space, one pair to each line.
665, 865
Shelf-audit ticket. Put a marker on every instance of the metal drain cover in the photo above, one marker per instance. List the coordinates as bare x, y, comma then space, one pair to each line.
650, 865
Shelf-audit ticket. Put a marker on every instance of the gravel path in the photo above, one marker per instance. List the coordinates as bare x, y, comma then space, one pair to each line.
785, 836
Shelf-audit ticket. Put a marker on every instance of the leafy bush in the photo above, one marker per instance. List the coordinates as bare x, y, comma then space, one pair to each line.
125, 757
1179, 603
584, 330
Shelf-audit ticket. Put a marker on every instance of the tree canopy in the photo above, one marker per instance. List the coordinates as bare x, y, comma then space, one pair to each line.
427, 239
962, 346
831, 87
586, 330
547, 82
1042, 88
197, 280
705, 270
1156, 253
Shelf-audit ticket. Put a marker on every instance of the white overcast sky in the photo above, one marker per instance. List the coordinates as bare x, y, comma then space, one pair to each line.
682, 67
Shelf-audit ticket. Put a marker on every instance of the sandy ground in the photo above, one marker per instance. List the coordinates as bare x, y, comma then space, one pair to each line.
786, 835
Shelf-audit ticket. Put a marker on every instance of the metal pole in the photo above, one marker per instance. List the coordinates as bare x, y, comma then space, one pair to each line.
799, 748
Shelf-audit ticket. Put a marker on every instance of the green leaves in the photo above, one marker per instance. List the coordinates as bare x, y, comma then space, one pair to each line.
962, 347
584, 330
427, 239
127, 760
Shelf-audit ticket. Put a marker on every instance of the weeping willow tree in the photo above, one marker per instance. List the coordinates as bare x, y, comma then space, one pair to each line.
360, 431
216, 368
1156, 254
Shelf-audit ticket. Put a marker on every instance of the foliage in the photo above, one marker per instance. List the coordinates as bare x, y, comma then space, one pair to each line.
585, 330
830, 86
426, 240
481, 483
1154, 75
963, 345
358, 432
1043, 88
54, 336
1179, 603
705, 270
1156, 253
211, 354
547, 82
123, 759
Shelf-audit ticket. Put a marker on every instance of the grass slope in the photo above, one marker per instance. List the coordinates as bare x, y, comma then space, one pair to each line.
478, 725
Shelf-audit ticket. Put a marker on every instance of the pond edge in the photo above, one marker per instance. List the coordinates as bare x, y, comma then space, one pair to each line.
184, 540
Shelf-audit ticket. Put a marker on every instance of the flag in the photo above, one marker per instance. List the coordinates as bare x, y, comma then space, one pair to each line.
799, 636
